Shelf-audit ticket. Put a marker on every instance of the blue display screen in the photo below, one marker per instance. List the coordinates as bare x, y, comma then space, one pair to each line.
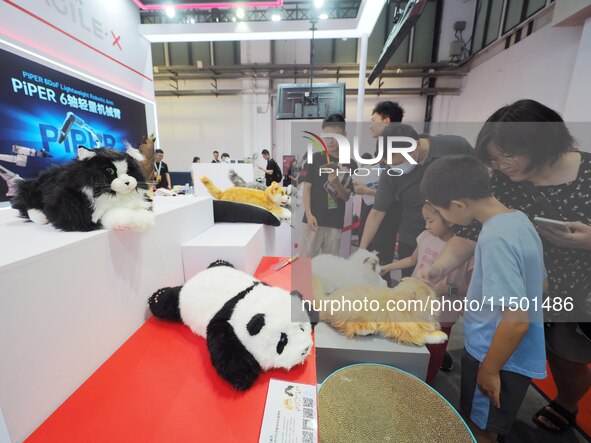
46, 114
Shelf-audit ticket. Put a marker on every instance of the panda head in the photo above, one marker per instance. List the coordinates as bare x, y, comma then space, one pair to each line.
265, 328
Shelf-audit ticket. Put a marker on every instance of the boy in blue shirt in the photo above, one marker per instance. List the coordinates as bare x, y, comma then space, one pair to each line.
503, 325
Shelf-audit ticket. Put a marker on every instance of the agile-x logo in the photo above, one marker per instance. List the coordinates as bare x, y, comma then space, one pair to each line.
74, 11
393, 146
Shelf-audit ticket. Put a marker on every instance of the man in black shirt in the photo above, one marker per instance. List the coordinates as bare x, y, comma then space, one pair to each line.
160, 174
325, 195
216, 155
406, 187
384, 241
272, 171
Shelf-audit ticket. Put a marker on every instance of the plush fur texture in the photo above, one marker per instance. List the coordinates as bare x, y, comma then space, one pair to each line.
271, 198
247, 324
103, 188
411, 326
295, 200
241, 183
296, 204
361, 268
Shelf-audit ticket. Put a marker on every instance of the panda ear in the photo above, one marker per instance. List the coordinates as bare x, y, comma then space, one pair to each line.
297, 294
229, 357
255, 324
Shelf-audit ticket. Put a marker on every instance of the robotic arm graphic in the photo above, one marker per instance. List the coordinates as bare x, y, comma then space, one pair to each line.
22, 153
72, 119
19, 158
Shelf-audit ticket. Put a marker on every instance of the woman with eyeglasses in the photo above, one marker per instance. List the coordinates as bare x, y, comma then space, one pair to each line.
537, 169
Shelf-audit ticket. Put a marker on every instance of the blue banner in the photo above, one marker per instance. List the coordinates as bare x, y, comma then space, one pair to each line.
45, 115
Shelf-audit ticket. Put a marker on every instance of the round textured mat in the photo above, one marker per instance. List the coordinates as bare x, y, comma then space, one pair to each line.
370, 403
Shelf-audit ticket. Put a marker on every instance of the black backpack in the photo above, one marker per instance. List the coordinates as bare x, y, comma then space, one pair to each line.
277, 175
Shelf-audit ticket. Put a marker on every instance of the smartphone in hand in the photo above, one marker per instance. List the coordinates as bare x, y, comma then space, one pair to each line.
549, 223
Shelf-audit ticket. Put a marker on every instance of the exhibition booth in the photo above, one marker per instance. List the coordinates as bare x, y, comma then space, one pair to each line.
135, 311
92, 361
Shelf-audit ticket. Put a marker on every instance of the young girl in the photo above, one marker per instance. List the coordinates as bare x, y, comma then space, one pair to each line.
430, 243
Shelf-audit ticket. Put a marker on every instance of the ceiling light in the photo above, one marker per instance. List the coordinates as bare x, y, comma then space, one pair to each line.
246, 34
368, 18
319, 3
276, 17
170, 12
240, 13
323, 16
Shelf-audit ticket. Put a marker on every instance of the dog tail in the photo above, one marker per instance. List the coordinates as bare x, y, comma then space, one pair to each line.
27, 196
164, 304
213, 190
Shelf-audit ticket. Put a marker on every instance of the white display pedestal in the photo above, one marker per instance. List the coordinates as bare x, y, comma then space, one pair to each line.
4, 435
218, 174
278, 240
7, 214
68, 300
242, 244
335, 351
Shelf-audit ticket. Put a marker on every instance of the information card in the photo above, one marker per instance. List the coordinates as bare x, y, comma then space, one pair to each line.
290, 413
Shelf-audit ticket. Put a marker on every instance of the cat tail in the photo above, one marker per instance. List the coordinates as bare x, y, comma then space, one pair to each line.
236, 179
27, 196
164, 304
215, 192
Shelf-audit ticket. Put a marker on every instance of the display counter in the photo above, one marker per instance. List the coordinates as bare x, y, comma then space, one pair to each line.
160, 386
68, 300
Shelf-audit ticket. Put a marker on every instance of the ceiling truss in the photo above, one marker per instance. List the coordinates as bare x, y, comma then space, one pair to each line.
298, 10
292, 73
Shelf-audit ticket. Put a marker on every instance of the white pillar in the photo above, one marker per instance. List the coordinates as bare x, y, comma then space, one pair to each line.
577, 107
256, 109
362, 80
577, 104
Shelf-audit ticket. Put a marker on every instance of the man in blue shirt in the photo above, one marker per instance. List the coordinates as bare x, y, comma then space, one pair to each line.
503, 324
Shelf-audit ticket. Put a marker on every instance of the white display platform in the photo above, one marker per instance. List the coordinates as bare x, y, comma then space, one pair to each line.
7, 214
242, 244
218, 174
68, 300
4, 435
335, 351
279, 239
